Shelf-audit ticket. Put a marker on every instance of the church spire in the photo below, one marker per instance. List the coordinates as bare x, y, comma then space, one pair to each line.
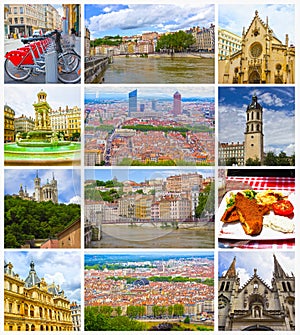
231, 272
278, 271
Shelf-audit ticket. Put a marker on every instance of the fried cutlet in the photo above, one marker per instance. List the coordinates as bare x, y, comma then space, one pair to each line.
250, 214
230, 215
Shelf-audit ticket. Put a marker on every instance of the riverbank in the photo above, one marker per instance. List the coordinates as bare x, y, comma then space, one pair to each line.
130, 236
166, 55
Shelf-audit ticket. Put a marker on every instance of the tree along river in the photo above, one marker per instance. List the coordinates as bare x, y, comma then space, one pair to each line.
124, 236
176, 70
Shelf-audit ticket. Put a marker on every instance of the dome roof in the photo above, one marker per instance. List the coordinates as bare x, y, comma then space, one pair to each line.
254, 104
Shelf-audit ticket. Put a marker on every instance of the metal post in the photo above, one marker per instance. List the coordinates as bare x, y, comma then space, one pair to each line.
51, 67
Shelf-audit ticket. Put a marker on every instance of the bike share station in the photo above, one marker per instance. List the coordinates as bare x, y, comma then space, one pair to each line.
44, 55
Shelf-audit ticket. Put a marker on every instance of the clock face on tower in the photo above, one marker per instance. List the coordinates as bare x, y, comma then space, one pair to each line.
255, 50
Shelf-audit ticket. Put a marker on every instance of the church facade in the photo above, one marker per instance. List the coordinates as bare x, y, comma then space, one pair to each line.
34, 305
47, 192
263, 58
256, 306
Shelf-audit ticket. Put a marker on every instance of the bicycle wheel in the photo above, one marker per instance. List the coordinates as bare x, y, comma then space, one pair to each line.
69, 67
17, 73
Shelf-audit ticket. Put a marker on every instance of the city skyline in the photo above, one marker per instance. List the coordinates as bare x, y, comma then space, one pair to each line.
61, 267
120, 19
140, 175
56, 97
150, 92
278, 107
281, 18
68, 182
247, 262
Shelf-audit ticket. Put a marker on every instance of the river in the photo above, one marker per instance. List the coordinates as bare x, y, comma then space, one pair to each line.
123, 236
164, 70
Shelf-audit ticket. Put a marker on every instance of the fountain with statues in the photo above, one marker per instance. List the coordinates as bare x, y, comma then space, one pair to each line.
42, 145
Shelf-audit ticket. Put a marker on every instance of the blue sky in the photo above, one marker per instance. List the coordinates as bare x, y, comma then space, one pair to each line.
140, 175
61, 267
68, 182
278, 115
131, 19
246, 262
57, 96
281, 18
156, 92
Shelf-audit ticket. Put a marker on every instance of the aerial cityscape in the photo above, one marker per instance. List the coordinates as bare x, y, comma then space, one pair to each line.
256, 138
169, 291
142, 208
145, 126
167, 44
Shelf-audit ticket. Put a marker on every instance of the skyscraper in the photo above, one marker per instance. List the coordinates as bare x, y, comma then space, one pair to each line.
132, 102
176, 103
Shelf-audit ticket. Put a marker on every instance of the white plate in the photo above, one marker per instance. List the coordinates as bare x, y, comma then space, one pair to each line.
235, 230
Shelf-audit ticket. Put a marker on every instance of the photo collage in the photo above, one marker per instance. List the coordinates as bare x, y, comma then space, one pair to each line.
156, 189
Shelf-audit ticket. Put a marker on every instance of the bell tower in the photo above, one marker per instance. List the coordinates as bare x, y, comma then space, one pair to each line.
254, 138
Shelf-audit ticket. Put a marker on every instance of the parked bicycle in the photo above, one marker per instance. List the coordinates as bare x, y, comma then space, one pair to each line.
29, 60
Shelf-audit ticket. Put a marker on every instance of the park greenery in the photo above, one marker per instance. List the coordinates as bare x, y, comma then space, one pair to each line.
107, 40
108, 318
177, 42
26, 220
168, 279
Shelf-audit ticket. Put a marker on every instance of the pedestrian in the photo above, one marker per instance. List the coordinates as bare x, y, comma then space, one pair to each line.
73, 34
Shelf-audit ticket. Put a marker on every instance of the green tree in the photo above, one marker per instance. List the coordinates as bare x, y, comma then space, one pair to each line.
118, 310
283, 160
231, 161
178, 309
270, 159
206, 200
253, 162
176, 42
187, 320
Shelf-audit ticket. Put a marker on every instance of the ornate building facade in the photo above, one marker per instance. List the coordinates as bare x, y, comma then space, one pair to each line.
47, 192
263, 58
256, 306
34, 305
9, 127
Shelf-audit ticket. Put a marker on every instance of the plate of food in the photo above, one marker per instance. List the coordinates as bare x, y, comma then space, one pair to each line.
256, 215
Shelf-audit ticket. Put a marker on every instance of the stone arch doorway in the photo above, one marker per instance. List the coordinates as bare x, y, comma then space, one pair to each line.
257, 328
254, 77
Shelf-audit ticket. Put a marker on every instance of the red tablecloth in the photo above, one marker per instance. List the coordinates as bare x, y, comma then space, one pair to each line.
259, 184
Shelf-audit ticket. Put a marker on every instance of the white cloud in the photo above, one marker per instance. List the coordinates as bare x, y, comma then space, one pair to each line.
58, 278
155, 16
281, 18
75, 200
